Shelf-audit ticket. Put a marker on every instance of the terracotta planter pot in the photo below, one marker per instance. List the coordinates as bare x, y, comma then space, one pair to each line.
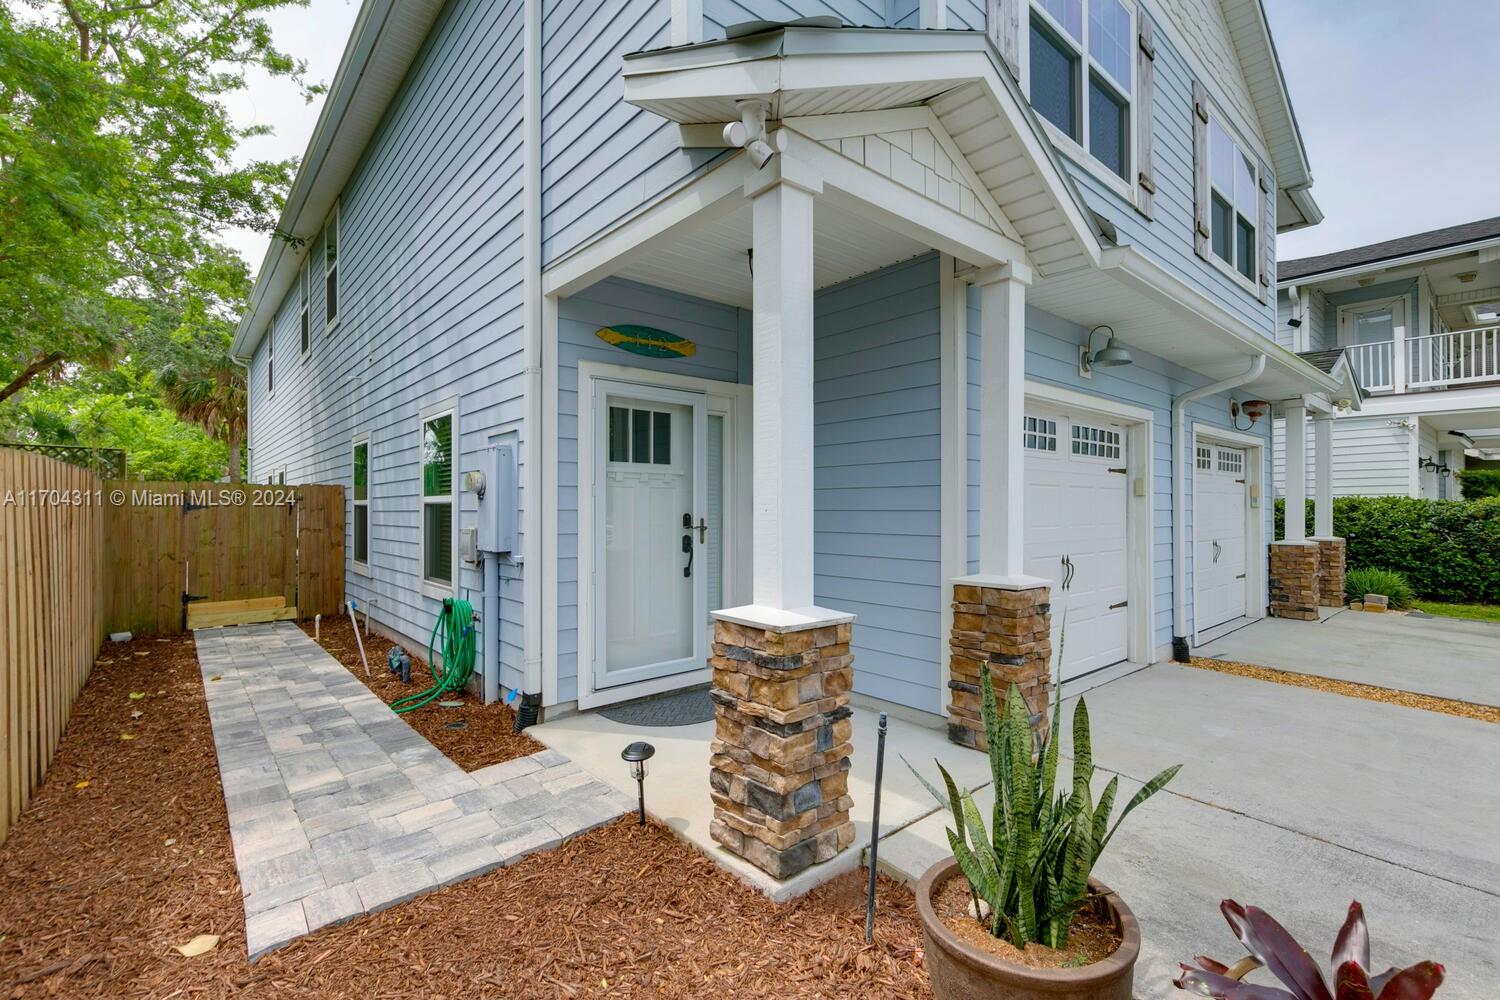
960, 972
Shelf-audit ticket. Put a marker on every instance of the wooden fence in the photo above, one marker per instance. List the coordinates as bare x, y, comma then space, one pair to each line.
51, 612
80, 558
218, 542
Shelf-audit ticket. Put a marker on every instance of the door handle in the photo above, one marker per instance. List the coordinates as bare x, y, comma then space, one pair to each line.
1067, 564
702, 531
687, 548
1217, 550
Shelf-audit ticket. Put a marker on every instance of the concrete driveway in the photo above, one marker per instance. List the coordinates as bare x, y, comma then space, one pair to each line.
1296, 801
1447, 657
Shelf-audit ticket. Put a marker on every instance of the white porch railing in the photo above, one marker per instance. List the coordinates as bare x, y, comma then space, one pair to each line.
1373, 363
1456, 358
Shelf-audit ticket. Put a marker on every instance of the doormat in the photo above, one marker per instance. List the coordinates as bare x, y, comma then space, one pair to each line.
685, 708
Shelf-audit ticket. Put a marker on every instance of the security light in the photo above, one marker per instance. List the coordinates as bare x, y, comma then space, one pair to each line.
1114, 354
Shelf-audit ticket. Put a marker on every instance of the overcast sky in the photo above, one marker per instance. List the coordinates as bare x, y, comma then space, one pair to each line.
1397, 104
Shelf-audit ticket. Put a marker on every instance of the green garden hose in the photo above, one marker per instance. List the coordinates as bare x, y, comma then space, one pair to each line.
456, 622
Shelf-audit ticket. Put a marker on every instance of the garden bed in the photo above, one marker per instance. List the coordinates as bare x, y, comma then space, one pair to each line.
488, 733
98, 884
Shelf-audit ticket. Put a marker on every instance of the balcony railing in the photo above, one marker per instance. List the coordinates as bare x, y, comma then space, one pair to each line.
1434, 361
1373, 364
1457, 358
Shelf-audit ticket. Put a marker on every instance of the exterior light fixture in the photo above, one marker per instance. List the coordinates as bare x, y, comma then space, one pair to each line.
636, 756
1427, 463
1114, 354
749, 133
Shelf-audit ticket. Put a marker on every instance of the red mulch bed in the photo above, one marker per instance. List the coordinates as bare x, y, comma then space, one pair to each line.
488, 736
93, 898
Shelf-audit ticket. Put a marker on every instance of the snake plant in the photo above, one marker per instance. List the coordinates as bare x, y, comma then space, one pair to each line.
1031, 867
1271, 946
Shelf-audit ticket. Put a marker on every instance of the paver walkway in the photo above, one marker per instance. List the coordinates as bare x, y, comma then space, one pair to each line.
337, 807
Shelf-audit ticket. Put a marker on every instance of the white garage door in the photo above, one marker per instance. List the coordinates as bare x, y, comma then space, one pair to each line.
1218, 535
1076, 533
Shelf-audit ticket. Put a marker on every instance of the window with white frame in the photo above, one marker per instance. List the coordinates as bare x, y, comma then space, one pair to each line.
361, 494
1095, 442
437, 499
1234, 211
302, 286
1205, 457
1231, 461
271, 359
1039, 434
1080, 66
640, 437
331, 269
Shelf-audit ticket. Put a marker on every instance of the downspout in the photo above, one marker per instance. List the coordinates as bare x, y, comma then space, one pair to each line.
1180, 472
531, 263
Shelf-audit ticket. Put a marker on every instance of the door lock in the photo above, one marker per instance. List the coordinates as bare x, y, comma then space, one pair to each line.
702, 531
687, 549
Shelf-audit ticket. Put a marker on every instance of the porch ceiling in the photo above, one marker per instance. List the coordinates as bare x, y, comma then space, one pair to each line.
712, 261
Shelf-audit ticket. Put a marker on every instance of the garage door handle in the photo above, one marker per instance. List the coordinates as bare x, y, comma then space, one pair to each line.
1240, 577
1217, 550
1067, 580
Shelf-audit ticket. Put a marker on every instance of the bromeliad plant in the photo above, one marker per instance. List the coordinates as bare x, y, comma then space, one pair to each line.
1031, 868
1271, 946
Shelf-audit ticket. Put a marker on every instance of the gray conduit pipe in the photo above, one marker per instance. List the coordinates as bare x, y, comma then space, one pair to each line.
1180, 472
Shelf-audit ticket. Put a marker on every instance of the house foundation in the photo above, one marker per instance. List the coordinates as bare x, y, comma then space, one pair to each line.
1295, 584
779, 770
1009, 633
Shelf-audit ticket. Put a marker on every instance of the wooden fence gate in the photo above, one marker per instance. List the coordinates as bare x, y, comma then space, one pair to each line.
168, 543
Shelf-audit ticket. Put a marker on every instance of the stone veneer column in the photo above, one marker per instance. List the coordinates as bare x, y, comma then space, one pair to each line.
1294, 580
779, 770
1007, 632
1331, 568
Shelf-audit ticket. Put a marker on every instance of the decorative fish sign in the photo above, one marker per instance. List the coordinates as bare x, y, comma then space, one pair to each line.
647, 341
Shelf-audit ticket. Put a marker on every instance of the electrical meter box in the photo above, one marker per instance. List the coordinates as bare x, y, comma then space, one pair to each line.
498, 503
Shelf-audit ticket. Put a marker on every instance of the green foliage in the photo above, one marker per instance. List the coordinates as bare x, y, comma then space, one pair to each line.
1031, 866
117, 173
1479, 483
1473, 612
1449, 550
1387, 582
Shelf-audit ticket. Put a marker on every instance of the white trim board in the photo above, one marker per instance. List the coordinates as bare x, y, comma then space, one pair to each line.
1140, 588
728, 399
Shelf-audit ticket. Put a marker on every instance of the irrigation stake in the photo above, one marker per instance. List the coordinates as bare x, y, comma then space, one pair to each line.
875, 832
353, 622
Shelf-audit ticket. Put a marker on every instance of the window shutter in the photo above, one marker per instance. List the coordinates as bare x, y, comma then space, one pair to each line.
1004, 22
1145, 63
1201, 226
1263, 233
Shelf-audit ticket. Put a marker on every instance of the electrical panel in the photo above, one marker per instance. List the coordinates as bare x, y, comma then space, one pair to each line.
499, 511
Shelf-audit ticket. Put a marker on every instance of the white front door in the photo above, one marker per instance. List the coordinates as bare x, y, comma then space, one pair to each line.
650, 531
1077, 534
1219, 554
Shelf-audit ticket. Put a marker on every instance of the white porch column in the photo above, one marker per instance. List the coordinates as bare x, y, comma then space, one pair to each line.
782, 348
1323, 475
1002, 403
1296, 471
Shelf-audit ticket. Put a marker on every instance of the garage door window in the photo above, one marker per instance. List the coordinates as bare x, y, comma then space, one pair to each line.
1040, 434
1096, 442
1232, 461
1205, 458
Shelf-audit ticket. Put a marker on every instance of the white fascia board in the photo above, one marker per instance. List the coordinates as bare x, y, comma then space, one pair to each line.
1448, 401
1237, 336
388, 31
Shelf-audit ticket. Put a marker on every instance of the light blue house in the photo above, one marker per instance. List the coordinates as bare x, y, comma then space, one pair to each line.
791, 321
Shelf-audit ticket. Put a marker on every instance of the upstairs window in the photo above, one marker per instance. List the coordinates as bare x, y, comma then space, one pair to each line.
331, 269
1233, 208
437, 500
302, 286
1080, 70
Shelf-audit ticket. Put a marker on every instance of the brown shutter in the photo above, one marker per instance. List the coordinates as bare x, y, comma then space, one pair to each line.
1201, 225
1003, 19
1145, 65
1263, 233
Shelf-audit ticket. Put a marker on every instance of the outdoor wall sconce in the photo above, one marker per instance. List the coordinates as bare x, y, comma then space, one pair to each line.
1114, 354
1252, 408
636, 756
1437, 467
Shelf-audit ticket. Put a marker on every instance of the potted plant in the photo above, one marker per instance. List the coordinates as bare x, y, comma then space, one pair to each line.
1031, 921
1271, 947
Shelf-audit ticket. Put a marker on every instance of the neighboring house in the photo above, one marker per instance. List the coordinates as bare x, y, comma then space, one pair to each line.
1418, 320
824, 366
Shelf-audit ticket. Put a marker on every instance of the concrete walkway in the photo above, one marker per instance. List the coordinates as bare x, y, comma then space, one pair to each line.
337, 807
1446, 657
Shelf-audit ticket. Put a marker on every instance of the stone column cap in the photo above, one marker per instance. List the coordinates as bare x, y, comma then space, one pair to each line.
1325, 538
997, 582
1299, 541
782, 619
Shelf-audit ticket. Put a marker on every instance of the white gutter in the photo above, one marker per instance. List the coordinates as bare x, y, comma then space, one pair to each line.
531, 263
1180, 472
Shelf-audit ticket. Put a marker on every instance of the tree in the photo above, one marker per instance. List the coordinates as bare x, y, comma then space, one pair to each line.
211, 394
116, 171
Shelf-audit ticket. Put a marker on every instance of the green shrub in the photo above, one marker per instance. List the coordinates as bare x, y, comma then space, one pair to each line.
1368, 580
1448, 550
1479, 483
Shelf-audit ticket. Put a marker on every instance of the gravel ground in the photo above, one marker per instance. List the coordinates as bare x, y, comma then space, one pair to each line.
98, 883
